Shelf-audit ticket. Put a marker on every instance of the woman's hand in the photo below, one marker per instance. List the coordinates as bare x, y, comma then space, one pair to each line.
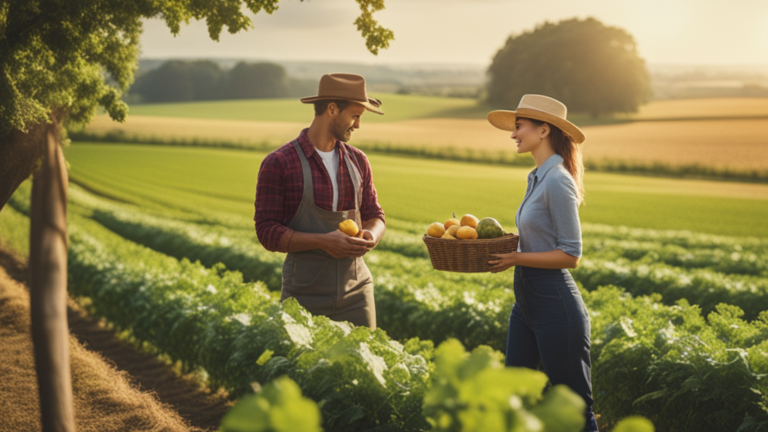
501, 262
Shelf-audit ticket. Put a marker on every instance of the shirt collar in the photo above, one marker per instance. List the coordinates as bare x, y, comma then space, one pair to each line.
306, 144
552, 161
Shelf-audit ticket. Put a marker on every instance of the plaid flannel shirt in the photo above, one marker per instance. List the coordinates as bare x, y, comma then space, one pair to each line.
280, 187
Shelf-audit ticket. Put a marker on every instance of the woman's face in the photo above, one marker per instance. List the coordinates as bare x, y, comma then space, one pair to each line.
527, 135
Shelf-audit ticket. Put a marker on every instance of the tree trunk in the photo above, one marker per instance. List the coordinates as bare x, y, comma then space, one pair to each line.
20, 154
48, 285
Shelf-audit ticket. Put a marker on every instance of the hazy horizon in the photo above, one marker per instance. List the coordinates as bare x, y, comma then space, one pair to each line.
681, 33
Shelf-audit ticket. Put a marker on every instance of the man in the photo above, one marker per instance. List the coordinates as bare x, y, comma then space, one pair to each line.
306, 188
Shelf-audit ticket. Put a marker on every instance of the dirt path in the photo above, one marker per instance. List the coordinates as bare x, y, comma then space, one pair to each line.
116, 387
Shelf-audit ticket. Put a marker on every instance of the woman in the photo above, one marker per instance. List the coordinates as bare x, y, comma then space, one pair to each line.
549, 322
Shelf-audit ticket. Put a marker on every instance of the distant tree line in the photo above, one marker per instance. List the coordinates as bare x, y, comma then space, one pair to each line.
198, 80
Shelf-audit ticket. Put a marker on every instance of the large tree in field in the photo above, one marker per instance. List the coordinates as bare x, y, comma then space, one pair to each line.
591, 67
59, 61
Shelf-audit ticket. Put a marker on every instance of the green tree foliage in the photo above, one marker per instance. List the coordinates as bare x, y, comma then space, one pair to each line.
75, 56
590, 67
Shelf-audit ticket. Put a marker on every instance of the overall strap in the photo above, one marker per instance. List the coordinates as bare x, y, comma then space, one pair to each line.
309, 192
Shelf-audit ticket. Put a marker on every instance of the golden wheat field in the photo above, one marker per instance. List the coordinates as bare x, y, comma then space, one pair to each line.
721, 133
702, 108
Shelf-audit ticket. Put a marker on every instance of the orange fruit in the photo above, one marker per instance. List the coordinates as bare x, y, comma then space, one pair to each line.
466, 233
349, 227
451, 221
469, 220
436, 230
452, 230
448, 237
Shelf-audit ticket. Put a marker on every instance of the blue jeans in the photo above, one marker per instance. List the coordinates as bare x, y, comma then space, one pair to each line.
549, 323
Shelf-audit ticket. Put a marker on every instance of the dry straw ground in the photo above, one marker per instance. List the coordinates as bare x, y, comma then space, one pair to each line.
105, 398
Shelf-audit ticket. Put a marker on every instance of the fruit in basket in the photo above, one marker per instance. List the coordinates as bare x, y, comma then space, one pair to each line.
489, 228
469, 220
452, 230
436, 230
448, 236
466, 233
451, 222
349, 227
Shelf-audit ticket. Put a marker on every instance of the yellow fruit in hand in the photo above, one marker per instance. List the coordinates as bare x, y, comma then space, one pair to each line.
469, 220
448, 236
452, 230
436, 230
466, 233
349, 227
450, 222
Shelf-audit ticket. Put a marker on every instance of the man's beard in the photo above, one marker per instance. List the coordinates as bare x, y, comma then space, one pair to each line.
341, 132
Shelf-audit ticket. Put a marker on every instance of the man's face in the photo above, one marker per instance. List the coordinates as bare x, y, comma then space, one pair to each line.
345, 122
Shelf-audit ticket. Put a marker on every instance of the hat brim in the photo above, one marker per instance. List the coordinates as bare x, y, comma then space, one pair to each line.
371, 104
505, 120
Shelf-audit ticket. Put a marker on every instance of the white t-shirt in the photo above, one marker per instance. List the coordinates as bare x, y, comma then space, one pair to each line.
331, 161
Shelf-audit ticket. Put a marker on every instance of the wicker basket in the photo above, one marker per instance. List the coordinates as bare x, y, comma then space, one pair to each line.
467, 256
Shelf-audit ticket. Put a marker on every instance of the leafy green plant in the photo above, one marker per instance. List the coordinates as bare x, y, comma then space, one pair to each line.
671, 365
278, 407
473, 392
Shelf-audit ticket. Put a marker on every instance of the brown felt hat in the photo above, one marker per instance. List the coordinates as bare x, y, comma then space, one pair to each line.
343, 86
540, 108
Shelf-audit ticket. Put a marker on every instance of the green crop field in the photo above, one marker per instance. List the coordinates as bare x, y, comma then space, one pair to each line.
410, 107
219, 181
396, 108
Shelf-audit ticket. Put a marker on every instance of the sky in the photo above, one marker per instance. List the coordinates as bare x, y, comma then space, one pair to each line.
684, 32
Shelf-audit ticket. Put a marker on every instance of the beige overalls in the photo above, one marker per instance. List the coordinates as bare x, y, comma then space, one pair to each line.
341, 289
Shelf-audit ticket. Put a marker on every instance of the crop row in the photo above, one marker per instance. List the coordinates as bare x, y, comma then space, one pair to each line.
703, 287
686, 239
727, 259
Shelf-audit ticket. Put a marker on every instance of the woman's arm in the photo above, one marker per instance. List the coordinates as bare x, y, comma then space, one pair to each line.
554, 259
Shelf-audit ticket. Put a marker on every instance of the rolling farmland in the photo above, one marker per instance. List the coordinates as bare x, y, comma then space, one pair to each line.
709, 135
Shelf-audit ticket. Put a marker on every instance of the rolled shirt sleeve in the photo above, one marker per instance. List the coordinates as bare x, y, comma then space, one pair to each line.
369, 207
563, 203
269, 204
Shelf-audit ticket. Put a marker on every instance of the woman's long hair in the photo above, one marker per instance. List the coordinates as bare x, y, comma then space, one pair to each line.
563, 145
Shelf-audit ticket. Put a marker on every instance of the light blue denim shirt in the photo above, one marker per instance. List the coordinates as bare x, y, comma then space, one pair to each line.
548, 217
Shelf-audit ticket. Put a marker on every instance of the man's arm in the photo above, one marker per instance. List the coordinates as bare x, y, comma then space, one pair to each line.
269, 204
371, 212
373, 230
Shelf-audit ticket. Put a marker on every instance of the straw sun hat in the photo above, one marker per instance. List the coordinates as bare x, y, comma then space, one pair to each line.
540, 108
341, 86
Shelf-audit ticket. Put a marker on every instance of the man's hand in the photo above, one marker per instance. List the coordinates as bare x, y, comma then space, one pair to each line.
340, 245
367, 235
